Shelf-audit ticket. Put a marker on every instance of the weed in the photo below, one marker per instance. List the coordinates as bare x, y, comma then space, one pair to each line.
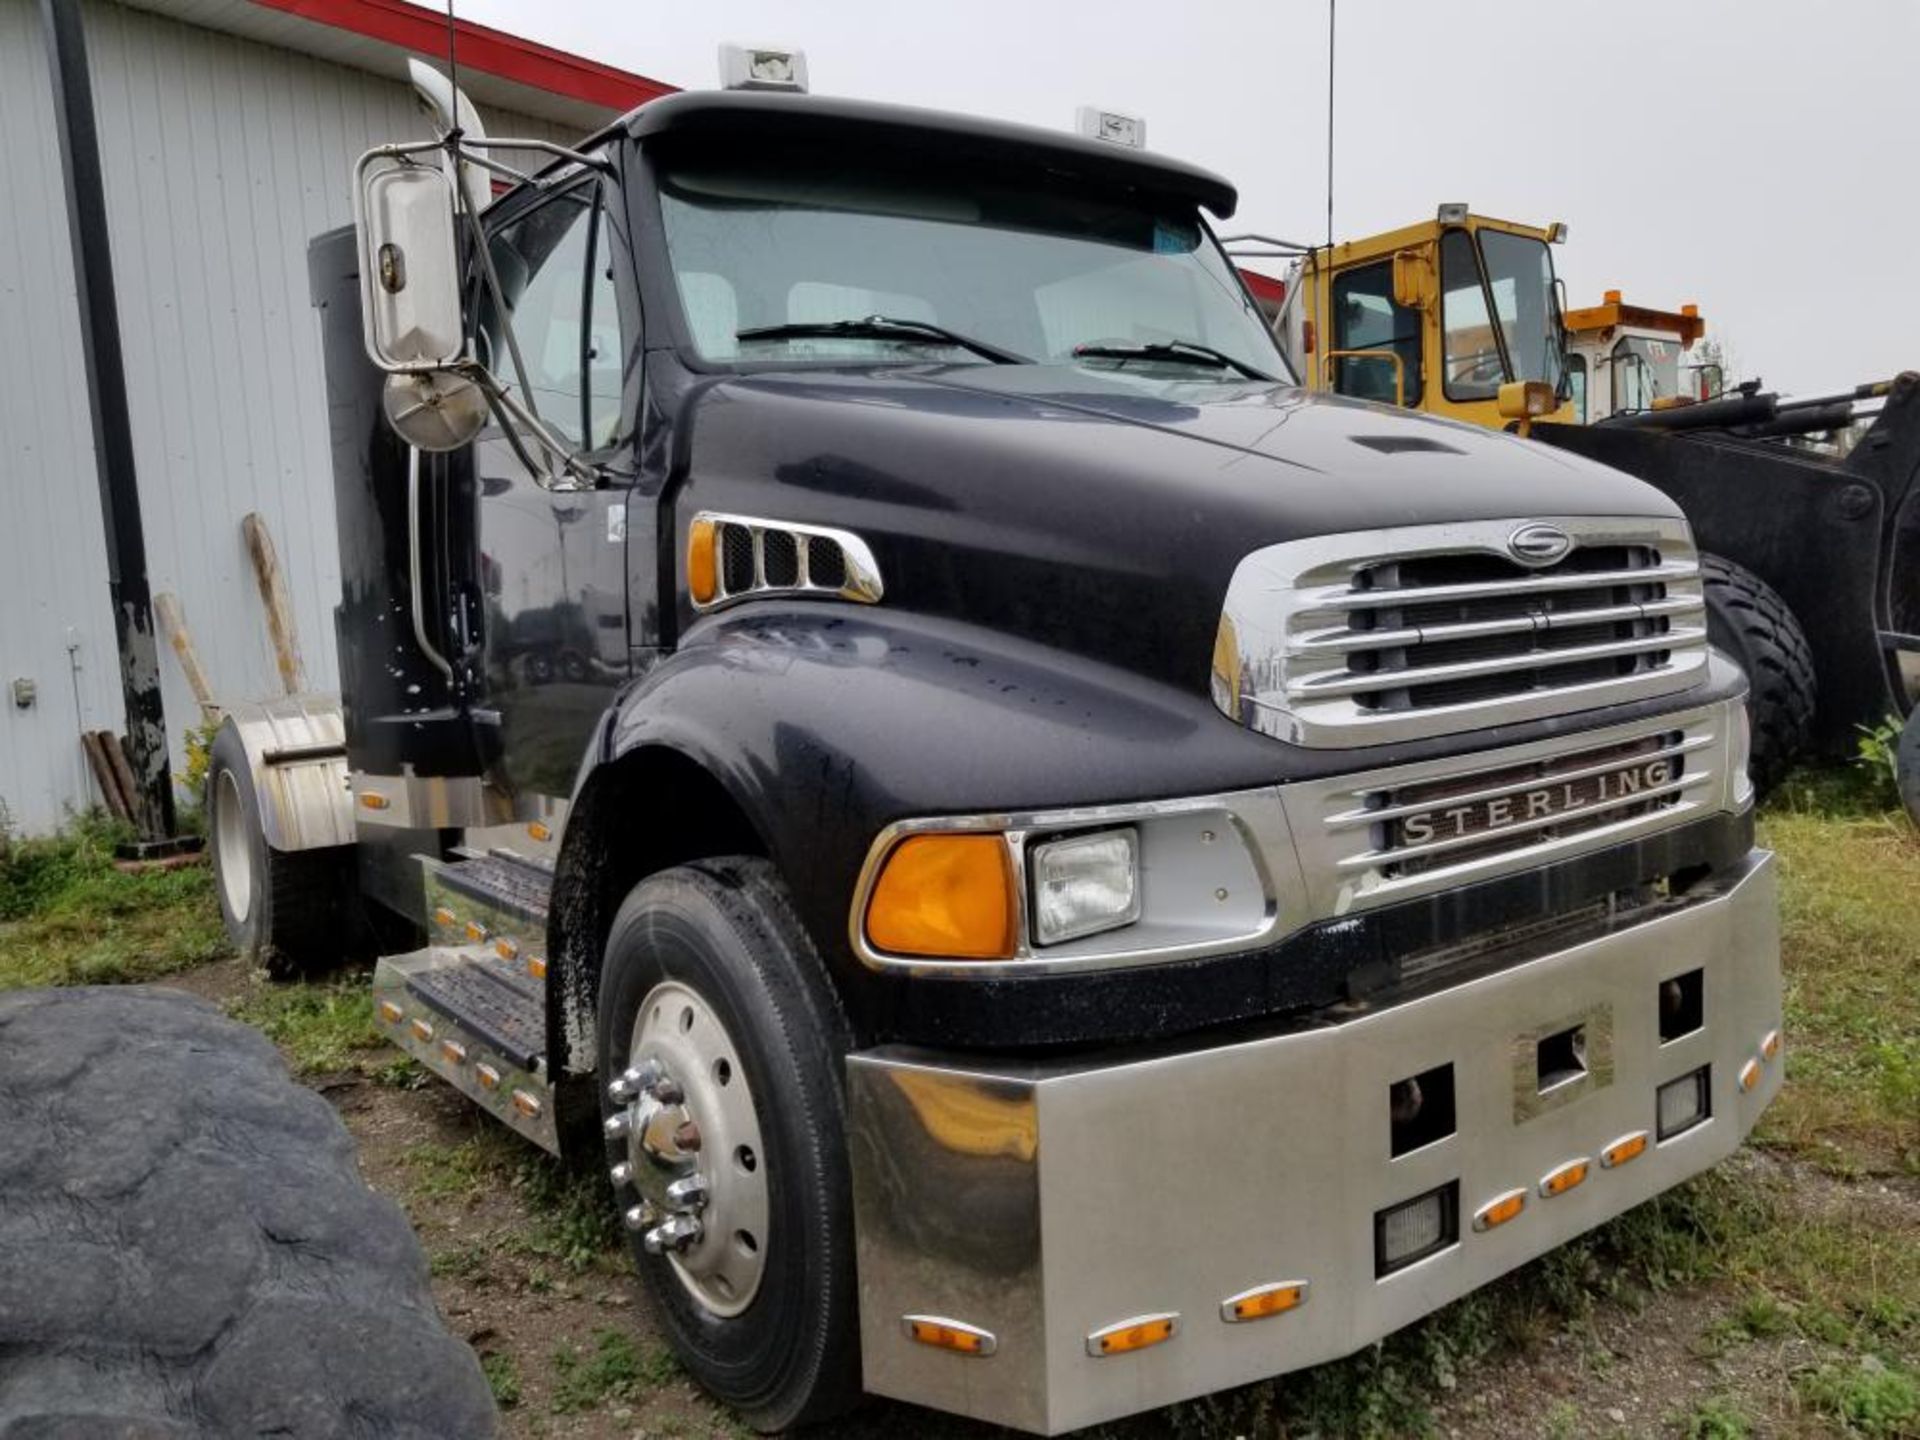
67, 917
577, 1223
1761, 1317
1718, 1417
1877, 757
471, 1263
503, 1378
614, 1369
322, 1027
1868, 1396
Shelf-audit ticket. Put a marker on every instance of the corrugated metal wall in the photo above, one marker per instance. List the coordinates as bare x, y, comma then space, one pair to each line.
222, 158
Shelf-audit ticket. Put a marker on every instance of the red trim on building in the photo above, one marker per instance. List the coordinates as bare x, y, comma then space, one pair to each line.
1264, 287
494, 52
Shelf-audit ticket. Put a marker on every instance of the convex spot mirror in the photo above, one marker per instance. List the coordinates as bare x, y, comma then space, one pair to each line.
409, 268
435, 410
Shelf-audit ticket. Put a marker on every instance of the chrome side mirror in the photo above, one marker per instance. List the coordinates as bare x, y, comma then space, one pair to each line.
404, 215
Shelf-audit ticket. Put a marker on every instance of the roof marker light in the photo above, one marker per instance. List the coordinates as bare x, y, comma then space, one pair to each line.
763, 67
1453, 213
1111, 126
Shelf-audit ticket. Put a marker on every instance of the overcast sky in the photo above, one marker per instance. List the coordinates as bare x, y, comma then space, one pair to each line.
1753, 156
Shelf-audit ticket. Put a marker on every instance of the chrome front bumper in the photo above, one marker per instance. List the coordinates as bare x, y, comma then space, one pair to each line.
1040, 1202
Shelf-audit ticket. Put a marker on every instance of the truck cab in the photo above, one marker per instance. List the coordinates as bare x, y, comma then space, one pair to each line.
1058, 868
1624, 358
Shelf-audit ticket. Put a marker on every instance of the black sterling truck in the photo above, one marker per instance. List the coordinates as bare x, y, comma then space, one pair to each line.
1062, 871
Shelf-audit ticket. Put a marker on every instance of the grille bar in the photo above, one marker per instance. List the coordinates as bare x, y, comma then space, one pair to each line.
1351, 819
1341, 598
1343, 682
1399, 854
1343, 640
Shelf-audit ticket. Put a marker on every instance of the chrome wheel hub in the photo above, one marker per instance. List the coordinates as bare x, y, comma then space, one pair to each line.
694, 1181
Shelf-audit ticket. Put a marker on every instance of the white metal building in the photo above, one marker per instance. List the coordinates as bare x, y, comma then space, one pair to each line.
227, 130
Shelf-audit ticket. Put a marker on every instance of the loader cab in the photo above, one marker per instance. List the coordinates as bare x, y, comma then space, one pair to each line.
1436, 316
1627, 358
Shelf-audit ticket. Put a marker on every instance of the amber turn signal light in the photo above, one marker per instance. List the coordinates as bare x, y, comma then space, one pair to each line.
1558, 1182
949, 1335
947, 896
703, 561
1627, 1147
1500, 1210
1265, 1300
1139, 1333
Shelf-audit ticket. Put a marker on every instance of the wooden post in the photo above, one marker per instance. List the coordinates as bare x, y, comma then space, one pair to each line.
273, 594
173, 623
99, 745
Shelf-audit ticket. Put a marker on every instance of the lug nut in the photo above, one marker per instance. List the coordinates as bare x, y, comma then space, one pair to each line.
686, 1136
640, 1216
621, 1175
689, 1192
624, 1087
619, 1126
675, 1234
667, 1091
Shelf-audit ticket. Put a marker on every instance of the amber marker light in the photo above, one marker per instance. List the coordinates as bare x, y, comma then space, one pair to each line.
444, 916
703, 561
952, 1335
1500, 1210
1749, 1075
1140, 1333
1558, 1182
1770, 1046
1627, 1147
373, 800
949, 896
390, 1012
537, 831
1264, 1300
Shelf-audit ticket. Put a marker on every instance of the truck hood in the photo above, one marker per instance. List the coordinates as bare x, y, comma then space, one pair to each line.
1095, 509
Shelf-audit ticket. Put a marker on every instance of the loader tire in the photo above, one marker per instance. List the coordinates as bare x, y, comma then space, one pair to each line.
187, 1247
289, 912
1749, 621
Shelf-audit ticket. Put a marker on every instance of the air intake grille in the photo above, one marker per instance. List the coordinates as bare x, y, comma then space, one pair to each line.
768, 557
1364, 642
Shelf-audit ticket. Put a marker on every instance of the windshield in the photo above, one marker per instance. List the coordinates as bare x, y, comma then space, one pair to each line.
793, 242
1518, 274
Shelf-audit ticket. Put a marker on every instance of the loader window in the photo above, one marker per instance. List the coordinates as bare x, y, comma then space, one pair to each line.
1475, 367
1519, 337
1365, 318
1577, 387
1644, 370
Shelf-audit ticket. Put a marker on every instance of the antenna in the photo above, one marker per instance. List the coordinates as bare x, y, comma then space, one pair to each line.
1330, 12
453, 78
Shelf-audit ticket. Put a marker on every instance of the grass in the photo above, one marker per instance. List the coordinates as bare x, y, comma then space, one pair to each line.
1850, 917
322, 1027
614, 1368
67, 917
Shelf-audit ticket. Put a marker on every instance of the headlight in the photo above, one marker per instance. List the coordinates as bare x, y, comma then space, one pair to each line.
1084, 884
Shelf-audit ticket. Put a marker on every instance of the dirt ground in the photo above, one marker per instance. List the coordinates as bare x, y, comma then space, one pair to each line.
562, 1327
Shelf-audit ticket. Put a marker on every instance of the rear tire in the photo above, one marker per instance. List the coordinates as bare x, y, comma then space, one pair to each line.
721, 937
287, 912
1747, 618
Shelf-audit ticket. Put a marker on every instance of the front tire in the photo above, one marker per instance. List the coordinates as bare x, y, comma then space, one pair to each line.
287, 912
713, 997
1747, 618
1907, 764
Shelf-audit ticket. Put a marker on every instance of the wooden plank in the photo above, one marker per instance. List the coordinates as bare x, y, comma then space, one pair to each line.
103, 773
173, 623
273, 594
116, 749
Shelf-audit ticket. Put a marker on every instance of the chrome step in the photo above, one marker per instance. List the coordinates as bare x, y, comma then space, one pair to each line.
476, 1023
492, 903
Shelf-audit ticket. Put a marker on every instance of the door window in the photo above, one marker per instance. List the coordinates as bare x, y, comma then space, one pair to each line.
555, 264
1365, 318
1577, 387
1474, 367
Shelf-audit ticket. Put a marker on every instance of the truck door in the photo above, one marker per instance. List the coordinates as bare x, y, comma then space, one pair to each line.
552, 568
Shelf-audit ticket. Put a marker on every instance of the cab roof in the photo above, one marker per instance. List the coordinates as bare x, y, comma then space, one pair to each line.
753, 117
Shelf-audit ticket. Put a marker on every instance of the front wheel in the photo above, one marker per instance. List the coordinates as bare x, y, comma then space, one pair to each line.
1907, 764
720, 1049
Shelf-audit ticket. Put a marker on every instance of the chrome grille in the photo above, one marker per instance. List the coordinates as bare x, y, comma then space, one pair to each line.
1394, 833
1356, 639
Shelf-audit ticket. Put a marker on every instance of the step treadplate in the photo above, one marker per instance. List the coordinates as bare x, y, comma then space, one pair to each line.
492, 903
457, 1014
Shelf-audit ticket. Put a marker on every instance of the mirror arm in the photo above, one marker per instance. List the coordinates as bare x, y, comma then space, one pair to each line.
574, 473
490, 278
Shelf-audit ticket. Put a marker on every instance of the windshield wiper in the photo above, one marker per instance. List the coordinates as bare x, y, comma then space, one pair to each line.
1189, 350
881, 327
